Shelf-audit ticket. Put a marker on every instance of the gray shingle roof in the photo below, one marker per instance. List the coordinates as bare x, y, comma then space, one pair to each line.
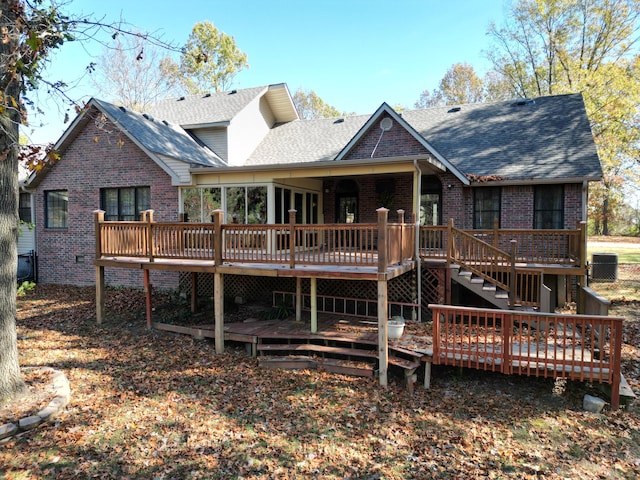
205, 109
549, 137
302, 141
157, 137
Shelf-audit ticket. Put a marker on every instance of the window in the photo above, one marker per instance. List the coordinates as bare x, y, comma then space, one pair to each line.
549, 207
24, 207
55, 208
125, 204
199, 203
486, 207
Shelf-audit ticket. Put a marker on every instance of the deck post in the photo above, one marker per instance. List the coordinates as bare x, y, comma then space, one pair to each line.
194, 292
147, 216
98, 216
298, 299
218, 307
218, 216
450, 250
314, 304
496, 233
583, 266
292, 238
383, 215
383, 339
147, 295
99, 294
512, 279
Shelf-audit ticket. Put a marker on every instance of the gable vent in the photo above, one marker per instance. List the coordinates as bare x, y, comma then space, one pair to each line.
454, 110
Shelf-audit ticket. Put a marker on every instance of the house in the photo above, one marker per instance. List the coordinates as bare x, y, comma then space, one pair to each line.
471, 206
511, 165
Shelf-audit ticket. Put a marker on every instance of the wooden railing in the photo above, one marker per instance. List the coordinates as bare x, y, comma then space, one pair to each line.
577, 347
293, 244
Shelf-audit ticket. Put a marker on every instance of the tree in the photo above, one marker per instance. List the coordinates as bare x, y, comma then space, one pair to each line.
552, 47
209, 62
30, 31
461, 84
131, 73
309, 105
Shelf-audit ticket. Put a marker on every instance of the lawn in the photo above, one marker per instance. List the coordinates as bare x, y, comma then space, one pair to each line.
147, 404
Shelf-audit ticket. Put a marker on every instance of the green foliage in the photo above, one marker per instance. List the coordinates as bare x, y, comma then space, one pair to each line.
209, 62
25, 287
549, 47
309, 106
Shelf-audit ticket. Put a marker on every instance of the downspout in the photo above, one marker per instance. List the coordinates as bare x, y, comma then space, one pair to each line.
418, 190
585, 199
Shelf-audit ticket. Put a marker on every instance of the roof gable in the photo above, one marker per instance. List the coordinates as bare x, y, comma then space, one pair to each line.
385, 121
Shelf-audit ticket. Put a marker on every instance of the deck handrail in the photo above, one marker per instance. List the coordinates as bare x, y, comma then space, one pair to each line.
356, 244
530, 343
535, 246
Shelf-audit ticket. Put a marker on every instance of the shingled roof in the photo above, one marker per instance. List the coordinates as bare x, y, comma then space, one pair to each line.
549, 137
207, 109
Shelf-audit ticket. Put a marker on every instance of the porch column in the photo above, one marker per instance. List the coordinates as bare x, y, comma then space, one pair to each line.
383, 339
314, 305
218, 310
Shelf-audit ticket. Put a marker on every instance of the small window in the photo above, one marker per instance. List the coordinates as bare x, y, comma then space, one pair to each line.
486, 207
549, 207
56, 208
125, 204
25, 207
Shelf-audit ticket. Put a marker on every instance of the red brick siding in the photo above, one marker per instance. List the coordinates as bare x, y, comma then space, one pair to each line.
395, 142
65, 256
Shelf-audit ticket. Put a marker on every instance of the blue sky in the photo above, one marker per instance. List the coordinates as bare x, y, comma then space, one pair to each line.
355, 54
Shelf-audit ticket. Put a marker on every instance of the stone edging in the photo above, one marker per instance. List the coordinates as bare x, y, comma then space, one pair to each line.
62, 395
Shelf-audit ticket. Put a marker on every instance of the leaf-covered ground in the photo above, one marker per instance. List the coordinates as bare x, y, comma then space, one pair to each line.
147, 404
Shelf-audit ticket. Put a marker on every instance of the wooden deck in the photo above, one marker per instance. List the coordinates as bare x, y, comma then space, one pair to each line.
576, 347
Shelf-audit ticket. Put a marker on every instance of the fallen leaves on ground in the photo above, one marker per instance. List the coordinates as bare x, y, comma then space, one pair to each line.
149, 404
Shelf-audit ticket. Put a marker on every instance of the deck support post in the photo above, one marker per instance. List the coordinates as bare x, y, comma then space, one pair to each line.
218, 307
194, 292
98, 216
383, 339
99, 294
298, 299
427, 375
147, 295
314, 304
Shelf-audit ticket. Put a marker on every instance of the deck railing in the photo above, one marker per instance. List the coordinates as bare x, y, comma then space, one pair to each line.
293, 244
576, 347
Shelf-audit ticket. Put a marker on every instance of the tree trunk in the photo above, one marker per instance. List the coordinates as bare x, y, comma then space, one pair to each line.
11, 383
605, 215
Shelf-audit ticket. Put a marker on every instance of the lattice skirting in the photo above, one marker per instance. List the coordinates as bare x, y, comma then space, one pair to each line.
259, 289
434, 287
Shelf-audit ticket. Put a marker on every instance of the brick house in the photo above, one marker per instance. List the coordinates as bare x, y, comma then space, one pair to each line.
512, 165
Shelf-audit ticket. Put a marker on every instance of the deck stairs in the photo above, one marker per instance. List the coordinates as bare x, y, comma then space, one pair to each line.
481, 287
343, 355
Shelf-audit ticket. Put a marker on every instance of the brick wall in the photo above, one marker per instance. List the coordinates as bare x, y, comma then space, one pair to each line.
97, 158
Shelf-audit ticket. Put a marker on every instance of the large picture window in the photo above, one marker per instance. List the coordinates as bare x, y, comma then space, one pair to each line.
486, 207
549, 207
56, 208
124, 204
199, 203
